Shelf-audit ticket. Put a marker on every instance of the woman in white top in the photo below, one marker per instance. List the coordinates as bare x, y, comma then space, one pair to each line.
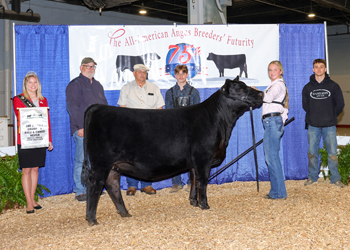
274, 115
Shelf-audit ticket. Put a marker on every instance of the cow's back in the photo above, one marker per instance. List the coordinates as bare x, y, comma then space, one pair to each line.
127, 62
144, 125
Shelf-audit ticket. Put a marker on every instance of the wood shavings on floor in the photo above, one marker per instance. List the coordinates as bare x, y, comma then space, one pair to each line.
312, 217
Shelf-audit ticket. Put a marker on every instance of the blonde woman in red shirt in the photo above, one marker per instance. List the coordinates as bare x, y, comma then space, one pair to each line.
30, 160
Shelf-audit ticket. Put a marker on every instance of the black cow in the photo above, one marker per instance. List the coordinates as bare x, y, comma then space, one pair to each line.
229, 62
154, 145
128, 62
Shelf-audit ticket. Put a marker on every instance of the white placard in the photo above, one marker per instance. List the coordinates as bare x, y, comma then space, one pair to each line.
214, 52
34, 127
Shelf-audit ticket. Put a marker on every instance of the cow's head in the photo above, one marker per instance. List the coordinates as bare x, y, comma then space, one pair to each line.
210, 56
239, 91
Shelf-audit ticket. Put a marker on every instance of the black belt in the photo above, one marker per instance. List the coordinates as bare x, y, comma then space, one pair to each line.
270, 115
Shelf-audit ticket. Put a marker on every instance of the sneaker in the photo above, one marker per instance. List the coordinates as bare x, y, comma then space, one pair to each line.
103, 193
338, 184
309, 182
188, 188
81, 197
270, 198
176, 188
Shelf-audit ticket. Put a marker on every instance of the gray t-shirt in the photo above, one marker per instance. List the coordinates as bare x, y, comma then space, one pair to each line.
36, 103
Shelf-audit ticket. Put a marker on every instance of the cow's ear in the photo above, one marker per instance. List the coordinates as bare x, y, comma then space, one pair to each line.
225, 87
227, 84
237, 78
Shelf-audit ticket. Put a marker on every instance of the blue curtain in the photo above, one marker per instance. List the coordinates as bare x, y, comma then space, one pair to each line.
44, 49
300, 44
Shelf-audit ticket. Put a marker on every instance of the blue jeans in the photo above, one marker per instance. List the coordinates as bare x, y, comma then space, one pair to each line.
134, 183
329, 135
78, 164
176, 180
272, 137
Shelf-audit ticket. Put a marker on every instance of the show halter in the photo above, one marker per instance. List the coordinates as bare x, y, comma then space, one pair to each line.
243, 98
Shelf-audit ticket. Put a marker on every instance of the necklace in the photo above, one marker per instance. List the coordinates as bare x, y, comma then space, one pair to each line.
34, 98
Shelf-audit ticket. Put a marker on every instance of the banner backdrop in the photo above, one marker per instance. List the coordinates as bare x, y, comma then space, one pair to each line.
211, 52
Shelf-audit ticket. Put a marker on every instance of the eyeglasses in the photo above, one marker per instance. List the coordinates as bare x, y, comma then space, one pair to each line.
89, 67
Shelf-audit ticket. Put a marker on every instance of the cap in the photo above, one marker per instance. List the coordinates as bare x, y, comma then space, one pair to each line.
140, 66
87, 60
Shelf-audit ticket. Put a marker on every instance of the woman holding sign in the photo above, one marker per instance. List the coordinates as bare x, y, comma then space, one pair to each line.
31, 159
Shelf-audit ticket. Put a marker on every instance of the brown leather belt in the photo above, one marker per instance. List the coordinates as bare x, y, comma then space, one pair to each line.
270, 115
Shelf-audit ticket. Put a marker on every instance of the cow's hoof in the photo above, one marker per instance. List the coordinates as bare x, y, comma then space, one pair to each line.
204, 206
125, 214
194, 203
93, 223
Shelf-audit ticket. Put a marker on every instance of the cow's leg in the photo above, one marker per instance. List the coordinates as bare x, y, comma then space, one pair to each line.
245, 70
240, 71
202, 182
118, 74
193, 191
221, 72
113, 189
93, 191
202, 195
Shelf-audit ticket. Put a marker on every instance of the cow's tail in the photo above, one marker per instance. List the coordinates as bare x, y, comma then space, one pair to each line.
85, 171
86, 166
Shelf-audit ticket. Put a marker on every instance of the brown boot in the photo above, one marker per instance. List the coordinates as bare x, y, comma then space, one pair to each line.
131, 191
149, 190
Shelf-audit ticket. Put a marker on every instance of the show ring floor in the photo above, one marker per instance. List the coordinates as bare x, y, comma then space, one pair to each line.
313, 217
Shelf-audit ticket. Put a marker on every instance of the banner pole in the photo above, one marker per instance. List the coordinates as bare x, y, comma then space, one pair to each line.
14, 79
326, 46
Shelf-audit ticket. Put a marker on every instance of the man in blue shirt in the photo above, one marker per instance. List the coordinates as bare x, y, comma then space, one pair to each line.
82, 92
181, 95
